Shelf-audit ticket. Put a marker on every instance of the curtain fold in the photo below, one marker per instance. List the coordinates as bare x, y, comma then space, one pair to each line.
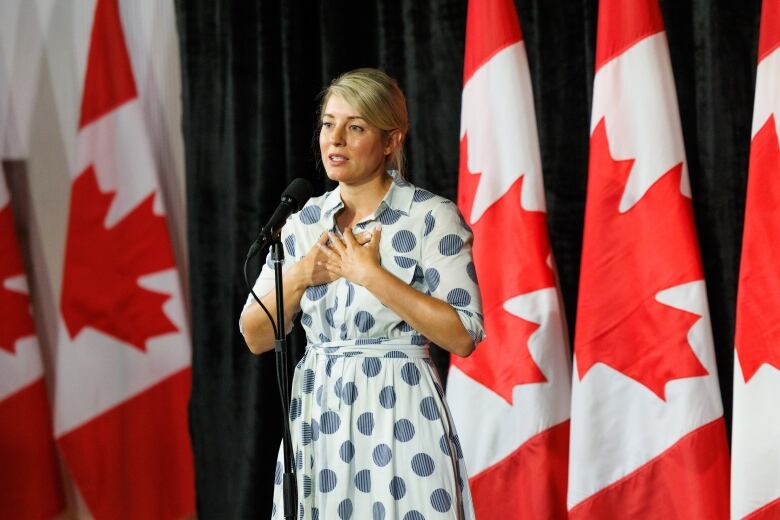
251, 75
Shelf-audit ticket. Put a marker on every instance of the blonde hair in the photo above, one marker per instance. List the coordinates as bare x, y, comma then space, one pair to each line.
379, 100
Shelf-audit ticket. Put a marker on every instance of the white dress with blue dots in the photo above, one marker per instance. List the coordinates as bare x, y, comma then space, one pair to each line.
371, 433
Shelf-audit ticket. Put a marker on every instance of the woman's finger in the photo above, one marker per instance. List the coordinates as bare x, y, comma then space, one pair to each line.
332, 267
328, 252
349, 238
336, 244
376, 236
363, 238
323, 274
320, 244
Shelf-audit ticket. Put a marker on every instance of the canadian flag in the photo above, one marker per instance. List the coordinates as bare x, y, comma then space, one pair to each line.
647, 431
123, 352
510, 398
755, 470
30, 485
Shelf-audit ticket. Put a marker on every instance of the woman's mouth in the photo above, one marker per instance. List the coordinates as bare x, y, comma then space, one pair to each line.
335, 158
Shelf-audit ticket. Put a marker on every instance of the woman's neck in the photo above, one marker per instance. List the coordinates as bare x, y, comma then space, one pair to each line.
361, 200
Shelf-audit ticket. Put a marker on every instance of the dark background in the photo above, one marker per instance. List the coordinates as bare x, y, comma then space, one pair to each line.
251, 74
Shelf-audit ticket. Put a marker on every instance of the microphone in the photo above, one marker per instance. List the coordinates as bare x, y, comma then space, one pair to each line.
293, 199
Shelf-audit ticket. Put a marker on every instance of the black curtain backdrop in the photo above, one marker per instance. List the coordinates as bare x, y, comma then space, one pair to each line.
251, 74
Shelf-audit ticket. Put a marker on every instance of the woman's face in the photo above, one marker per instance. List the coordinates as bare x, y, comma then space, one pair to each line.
353, 151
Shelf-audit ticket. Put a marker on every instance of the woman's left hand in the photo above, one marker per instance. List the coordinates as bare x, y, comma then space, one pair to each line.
350, 260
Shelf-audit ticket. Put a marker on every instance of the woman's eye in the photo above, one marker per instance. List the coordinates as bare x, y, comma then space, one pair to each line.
327, 124
356, 128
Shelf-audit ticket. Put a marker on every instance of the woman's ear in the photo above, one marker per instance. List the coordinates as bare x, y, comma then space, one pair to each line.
394, 139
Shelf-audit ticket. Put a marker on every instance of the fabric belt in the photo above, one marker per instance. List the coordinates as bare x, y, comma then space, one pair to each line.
385, 349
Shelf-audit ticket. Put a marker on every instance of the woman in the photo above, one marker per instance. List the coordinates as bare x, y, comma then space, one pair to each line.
378, 269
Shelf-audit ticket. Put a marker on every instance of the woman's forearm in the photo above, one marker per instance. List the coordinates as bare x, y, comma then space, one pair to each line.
431, 317
306, 272
258, 333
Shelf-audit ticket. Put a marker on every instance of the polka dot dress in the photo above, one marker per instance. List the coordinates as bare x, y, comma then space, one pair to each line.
372, 435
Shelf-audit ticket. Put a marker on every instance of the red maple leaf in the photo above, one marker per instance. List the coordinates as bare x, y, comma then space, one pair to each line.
102, 267
627, 259
15, 319
511, 249
758, 305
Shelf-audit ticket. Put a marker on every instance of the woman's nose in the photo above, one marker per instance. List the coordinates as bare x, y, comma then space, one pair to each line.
337, 135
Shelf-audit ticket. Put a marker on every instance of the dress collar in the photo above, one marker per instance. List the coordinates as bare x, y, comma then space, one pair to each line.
398, 198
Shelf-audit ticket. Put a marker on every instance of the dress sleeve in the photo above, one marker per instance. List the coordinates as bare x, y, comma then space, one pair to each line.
448, 267
265, 281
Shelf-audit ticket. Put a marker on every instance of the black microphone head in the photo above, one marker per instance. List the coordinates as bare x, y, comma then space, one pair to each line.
297, 193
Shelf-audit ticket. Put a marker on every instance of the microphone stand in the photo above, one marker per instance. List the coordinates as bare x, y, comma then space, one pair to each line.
289, 488
293, 197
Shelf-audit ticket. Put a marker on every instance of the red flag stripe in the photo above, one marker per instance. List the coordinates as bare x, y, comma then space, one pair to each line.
107, 51
140, 477
30, 485
529, 483
491, 25
16, 322
769, 37
622, 24
685, 481
758, 298
770, 511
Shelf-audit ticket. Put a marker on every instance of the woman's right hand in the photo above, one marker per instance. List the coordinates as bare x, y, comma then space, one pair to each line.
311, 270
308, 270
